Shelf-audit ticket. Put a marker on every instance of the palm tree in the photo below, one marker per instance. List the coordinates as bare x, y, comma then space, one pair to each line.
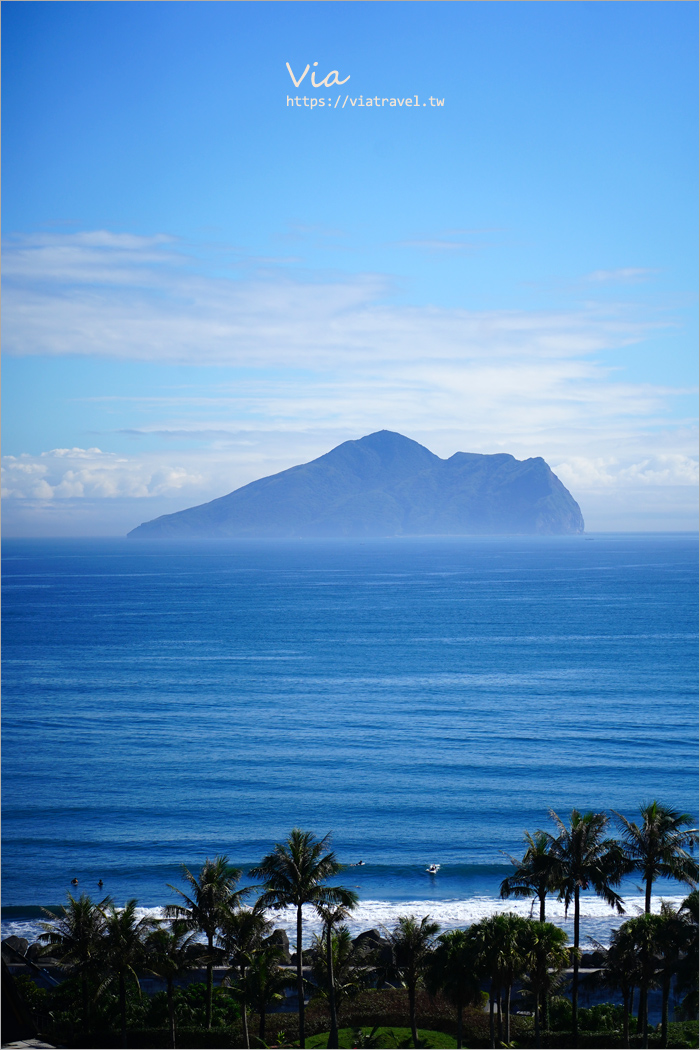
122, 950
242, 932
658, 847
672, 944
77, 934
265, 982
480, 935
411, 944
331, 916
170, 954
209, 895
621, 970
483, 936
349, 970
645, 932
454, 970
535, 874
507, 933
585, 859
687, 978
293, 875
546, 953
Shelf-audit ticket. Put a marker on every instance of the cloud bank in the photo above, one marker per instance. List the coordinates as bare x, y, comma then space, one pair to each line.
138, 298
302, 363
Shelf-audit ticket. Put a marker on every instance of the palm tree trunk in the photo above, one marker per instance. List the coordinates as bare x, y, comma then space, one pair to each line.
333, 1035
244, 1019
542, 910
171, 1010
86, 1002
537, 1019
459, 1026
645, 1026
647, 897
499, 1015
626, 1005
665, 993
122, 1006
574, 982
244, 1011
642, 1009
508, 991
412, 1011
210, 979
492, 1028
300, 980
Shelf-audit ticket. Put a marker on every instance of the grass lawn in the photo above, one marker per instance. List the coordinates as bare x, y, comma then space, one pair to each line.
386, 1037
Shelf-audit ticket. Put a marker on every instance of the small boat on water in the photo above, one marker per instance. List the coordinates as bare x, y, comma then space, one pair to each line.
433, 869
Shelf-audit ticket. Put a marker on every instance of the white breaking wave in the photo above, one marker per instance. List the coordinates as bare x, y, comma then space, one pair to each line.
597, 919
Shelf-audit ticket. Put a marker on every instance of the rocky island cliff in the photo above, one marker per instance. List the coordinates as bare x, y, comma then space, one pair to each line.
385, 485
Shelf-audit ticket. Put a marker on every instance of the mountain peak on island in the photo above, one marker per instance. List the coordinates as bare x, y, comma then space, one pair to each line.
385, 484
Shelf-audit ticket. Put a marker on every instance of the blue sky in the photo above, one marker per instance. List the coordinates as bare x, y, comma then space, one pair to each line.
204, 284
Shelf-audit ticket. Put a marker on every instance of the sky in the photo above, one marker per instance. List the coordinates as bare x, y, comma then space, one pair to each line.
210, 277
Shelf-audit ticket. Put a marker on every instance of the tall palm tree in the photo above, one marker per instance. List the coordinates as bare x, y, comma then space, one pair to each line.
294, 875
481, 945
170, 954
241, 935
546, 955
210, 893
535, 875
75, 936
333, 915
585, 859
349, 971
265, 982
507, 933
659, 846
687, 978
645, 934
484, 938
411, 944
122, 950
672, 944
454, 970
621, 970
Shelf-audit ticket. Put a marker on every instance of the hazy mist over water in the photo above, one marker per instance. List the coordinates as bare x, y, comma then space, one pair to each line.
426, 700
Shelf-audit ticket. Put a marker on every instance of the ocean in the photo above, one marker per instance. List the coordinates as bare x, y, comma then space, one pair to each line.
425, 700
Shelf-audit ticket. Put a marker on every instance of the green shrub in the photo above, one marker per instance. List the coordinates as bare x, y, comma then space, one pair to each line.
384, 1037
603, 1017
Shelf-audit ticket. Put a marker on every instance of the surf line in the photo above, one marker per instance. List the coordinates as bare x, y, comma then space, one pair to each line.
375, 100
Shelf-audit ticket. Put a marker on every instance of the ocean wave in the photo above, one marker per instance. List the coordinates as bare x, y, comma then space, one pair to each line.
597, 919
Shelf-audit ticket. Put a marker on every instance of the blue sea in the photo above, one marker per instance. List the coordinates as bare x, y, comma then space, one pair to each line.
425, 700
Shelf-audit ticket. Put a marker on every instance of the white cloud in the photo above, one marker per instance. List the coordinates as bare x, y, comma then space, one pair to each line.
438, 244
581, 473
134, 298
316, 362
625, 275
69, 474
79, 473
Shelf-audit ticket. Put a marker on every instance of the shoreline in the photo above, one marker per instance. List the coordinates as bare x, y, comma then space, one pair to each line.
597, 920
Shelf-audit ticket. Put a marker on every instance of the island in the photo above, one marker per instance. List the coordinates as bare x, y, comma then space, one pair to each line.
385, 485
